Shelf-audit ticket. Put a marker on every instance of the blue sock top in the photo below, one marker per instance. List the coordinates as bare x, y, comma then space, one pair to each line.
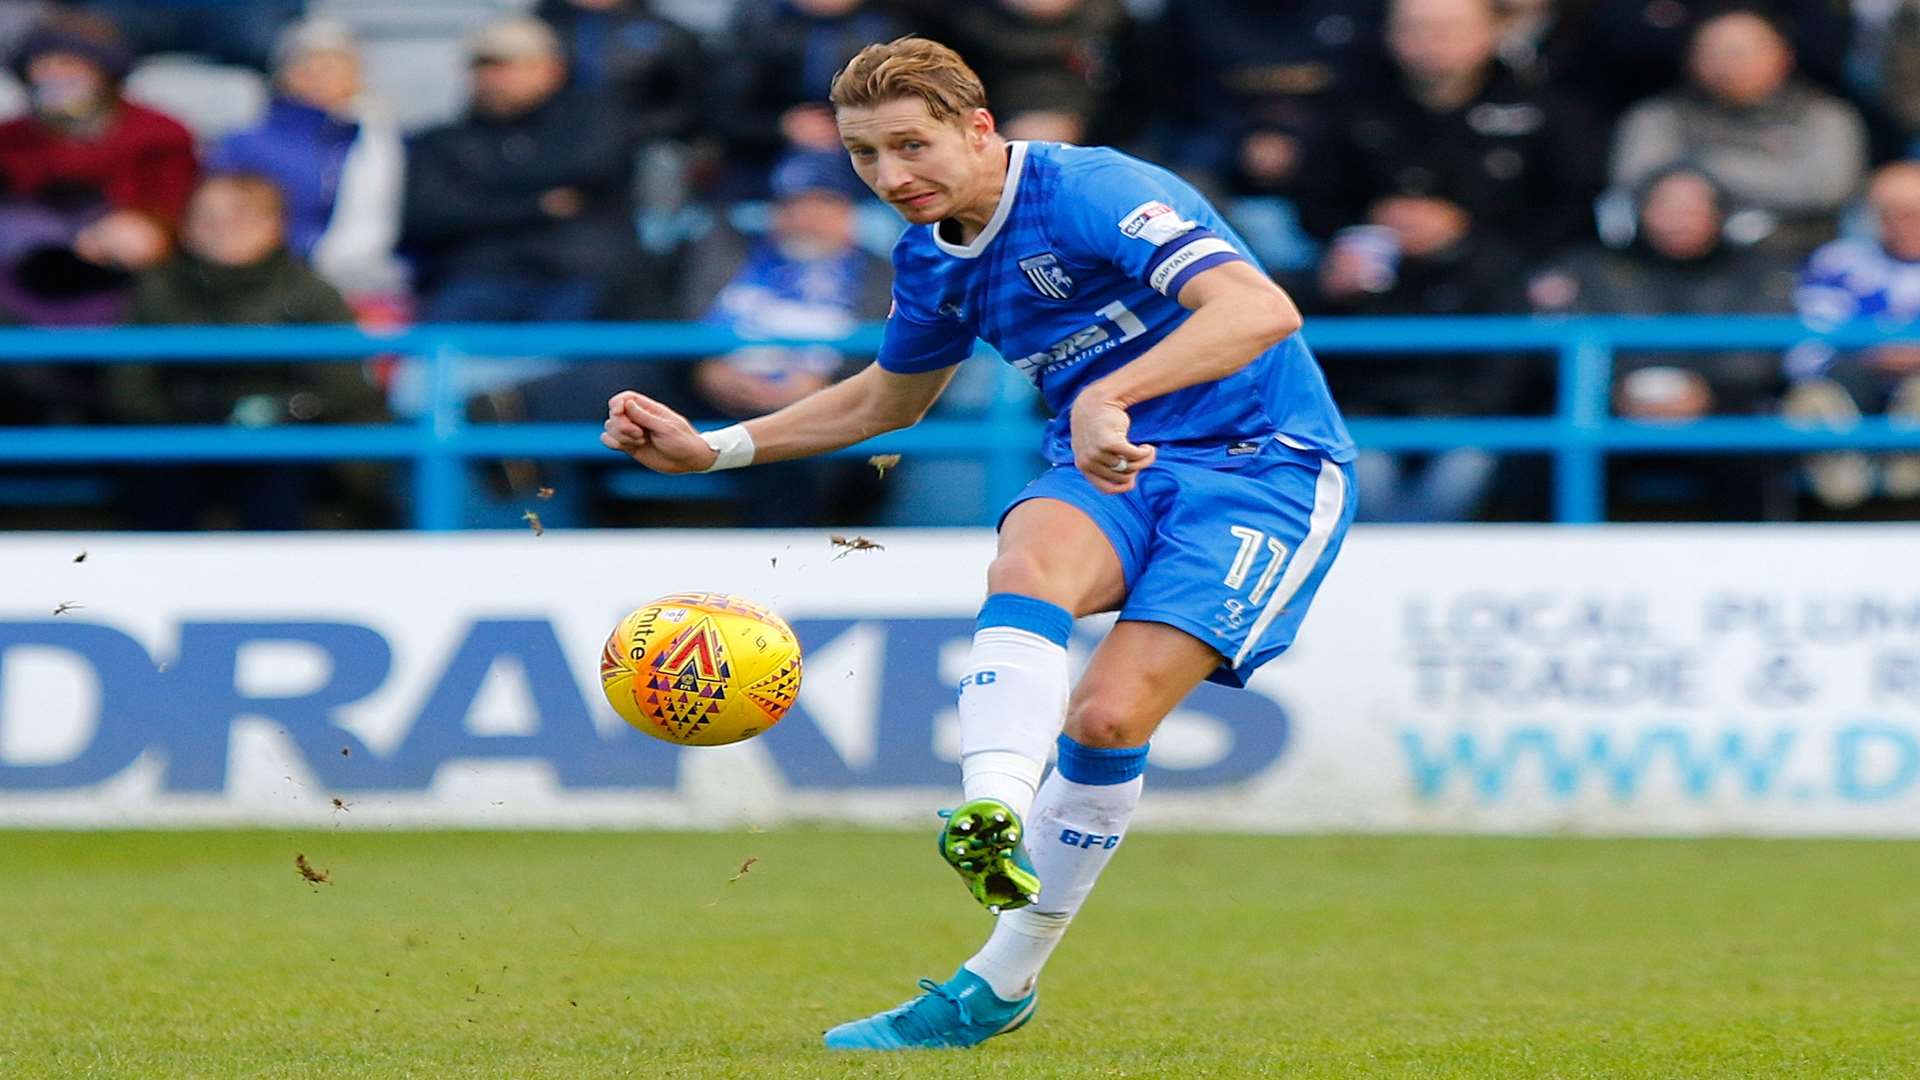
1099, 766
1050, 621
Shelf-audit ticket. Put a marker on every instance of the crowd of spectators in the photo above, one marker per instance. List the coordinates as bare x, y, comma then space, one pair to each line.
614, 159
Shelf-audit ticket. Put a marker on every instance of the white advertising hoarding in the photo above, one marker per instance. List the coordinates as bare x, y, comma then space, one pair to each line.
1609, 680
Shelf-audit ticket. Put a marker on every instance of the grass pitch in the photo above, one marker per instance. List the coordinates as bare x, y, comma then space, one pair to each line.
614, 954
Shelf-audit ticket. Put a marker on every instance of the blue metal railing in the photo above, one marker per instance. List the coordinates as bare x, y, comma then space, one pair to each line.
1579, 435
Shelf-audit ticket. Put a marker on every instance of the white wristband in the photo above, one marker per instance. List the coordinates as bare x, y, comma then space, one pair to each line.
734, 446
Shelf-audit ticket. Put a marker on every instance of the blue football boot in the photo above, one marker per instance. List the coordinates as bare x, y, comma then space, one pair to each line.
981, 841
961, 1012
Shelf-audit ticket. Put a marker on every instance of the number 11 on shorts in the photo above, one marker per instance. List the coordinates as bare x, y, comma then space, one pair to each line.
1251, 541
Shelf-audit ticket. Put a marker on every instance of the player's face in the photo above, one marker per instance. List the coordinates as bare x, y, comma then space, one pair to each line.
927, 169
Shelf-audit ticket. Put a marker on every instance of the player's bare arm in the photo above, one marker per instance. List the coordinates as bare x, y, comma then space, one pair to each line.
872, 402
1238, 313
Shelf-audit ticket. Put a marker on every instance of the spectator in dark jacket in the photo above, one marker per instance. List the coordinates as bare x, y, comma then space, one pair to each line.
106, 179
651, 67
1678, 263
1256, 84
1459, 172
773, 90
1891, 56
234, 268
336, 155
1457, 134
1405, 261
1400, 264
1049, 65
523, 209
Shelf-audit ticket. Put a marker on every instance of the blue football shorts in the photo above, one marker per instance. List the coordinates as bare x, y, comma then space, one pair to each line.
1227, 544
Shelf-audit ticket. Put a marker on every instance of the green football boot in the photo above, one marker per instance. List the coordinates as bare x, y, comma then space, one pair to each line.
981, 841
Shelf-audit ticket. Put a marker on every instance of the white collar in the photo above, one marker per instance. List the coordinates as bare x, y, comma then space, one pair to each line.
1016, 164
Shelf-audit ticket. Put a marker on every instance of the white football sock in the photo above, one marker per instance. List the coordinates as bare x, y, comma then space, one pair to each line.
1013, 698
1075, 827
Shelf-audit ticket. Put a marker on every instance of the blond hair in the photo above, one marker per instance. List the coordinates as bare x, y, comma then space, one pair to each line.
910, 67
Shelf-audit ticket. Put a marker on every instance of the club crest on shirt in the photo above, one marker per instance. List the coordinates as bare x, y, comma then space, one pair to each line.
1046, 275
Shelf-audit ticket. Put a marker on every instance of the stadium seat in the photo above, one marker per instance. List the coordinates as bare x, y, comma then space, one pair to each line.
1271, 226
210, 99
876, 227
56, 489
13, 98
640, 484
417, 18
707, 18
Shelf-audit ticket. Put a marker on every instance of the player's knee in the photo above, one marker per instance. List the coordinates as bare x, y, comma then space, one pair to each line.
1017, 572
1103, 721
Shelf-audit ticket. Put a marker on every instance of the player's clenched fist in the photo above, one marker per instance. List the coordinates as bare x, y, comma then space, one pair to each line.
654, 435
1101, 448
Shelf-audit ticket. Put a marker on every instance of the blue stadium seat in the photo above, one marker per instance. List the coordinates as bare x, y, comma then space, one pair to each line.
641, 484
80, 489
1271, 227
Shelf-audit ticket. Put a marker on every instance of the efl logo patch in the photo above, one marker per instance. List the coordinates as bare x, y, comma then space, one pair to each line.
1155, 222
1045, 274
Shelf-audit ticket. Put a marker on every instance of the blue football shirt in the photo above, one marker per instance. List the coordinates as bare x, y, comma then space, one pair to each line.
1075, 275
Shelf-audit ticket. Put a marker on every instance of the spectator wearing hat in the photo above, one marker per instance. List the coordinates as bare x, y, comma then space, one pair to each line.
805, 278
108, 176
523, 209
336, 155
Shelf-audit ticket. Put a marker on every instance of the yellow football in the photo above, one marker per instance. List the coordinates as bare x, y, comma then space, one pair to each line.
701, 669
